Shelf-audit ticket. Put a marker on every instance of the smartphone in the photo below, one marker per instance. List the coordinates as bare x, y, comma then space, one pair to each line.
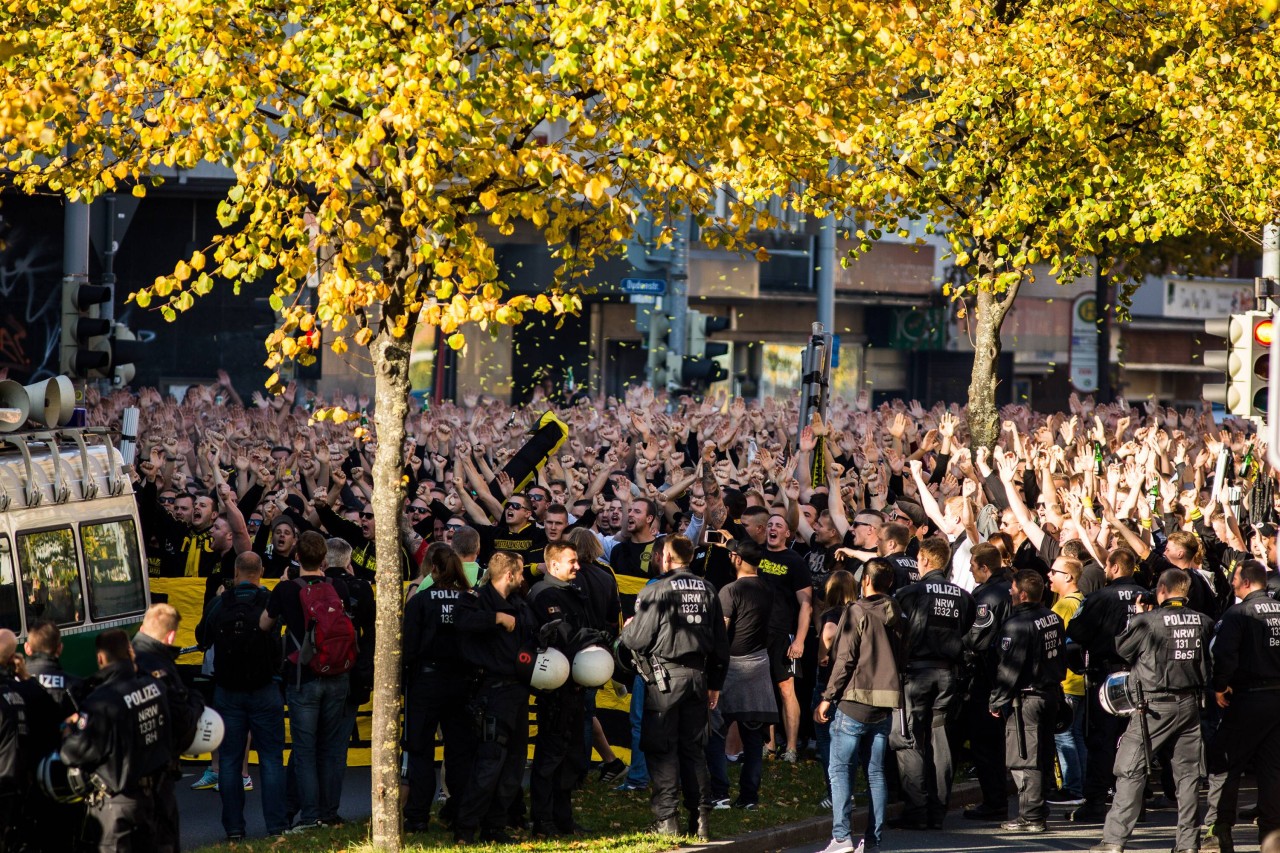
717, 537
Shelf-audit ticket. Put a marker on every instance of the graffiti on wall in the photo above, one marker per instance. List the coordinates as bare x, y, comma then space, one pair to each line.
30, 305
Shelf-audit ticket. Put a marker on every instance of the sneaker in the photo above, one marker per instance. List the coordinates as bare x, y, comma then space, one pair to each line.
745, 807
1064, 798
1021, 824
839, 846
613, 771
303, 827
733, 759
826, 802
207, 782
863, 848
630, 786
720, 805
248, 782
790, 756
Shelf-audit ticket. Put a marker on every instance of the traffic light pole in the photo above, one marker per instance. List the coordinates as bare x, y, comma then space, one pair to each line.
75, 243
824, 273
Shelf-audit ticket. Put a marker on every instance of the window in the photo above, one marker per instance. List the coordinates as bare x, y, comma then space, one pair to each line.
9, 613
113, 568
51, 576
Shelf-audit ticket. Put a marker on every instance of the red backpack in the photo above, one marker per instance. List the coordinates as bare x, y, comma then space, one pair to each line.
328, 645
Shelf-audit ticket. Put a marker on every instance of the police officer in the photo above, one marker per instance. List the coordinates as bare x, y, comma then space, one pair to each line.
499, 635
1030, 667
44, 648
938, 615
28, 732
156, 654
986, 734
1168, 650
438, 691
121, 742
1100, 619
560, 751
678, 637
53, 826
1246, 684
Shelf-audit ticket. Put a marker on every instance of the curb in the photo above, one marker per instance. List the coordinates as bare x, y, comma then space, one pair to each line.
811, 829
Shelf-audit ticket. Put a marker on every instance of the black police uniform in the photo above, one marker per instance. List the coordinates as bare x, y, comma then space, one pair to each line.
438, 688
499, 709
986, 733
1100, 619
64, 688
57, 825
938, 615
185, 708
121, 741
28, 732
560, 750
679, 631
1246, 658
906, 570
1031, 664
1168, 650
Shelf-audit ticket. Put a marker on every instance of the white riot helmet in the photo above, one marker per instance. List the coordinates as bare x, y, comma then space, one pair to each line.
209, 732
593, 666
550, 670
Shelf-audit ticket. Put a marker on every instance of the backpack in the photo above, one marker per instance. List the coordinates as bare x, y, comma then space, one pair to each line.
328, 645
245, 657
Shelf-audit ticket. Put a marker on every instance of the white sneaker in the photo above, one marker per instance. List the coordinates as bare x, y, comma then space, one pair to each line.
720, 805
838, 846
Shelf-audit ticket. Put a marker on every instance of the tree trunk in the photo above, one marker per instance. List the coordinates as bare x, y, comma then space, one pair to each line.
984, 417
391, 378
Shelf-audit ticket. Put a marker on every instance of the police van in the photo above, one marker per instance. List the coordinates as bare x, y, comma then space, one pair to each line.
70, 538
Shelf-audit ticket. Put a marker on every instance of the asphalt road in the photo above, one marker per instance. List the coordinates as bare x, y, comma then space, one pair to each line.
201, 811
1154, 836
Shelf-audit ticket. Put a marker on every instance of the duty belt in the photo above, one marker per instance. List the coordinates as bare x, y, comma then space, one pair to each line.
1184, 691
930, 663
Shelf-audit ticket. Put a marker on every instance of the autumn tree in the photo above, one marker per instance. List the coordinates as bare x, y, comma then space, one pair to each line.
380, 148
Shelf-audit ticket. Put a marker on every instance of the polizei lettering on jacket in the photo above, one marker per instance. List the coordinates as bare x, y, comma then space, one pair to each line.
142, 696
691, 584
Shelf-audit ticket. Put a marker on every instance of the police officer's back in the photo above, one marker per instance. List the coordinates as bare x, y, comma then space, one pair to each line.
121, 742
44, 649
28, 732
1167, 648
678, 635
986, 734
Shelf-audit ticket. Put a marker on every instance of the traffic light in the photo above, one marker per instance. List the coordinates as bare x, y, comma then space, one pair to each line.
124, 350
700, 368
83, 347
1245, 363
659, 333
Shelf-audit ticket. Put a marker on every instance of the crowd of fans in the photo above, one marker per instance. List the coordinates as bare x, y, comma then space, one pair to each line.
218, 477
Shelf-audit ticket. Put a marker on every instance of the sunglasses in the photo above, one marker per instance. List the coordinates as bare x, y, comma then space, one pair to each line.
453, 527
168, 500
537, 498
516, 506
863, 524
417, 510
367, 515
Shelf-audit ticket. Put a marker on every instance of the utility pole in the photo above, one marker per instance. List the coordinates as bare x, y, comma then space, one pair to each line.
1102, 308
676, 302
824, 263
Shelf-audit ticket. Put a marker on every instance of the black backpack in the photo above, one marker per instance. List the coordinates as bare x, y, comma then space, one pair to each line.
244, 656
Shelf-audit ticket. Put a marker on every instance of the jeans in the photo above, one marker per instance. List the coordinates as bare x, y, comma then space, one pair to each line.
259, 713
847, 735
1071, 751
638, 773
318, 725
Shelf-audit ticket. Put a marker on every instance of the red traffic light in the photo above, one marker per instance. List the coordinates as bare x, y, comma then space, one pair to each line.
1264, 331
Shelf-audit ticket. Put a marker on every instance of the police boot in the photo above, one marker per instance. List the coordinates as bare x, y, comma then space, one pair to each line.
700, 824
667, 826
1216, 839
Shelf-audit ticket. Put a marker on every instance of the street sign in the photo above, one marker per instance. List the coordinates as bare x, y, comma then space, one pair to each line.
644, 299
648, 286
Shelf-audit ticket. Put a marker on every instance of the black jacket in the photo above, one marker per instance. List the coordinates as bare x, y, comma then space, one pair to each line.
1246, 649
1168, 649
185, 706
65, 689
678, 620
122, 734
991, 598
430, 633
1101, 618
551, 600
939, 614
29, 721
604, 604
1029, 655
488, 646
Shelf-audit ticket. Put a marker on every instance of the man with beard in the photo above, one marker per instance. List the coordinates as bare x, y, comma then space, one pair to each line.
634, 559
